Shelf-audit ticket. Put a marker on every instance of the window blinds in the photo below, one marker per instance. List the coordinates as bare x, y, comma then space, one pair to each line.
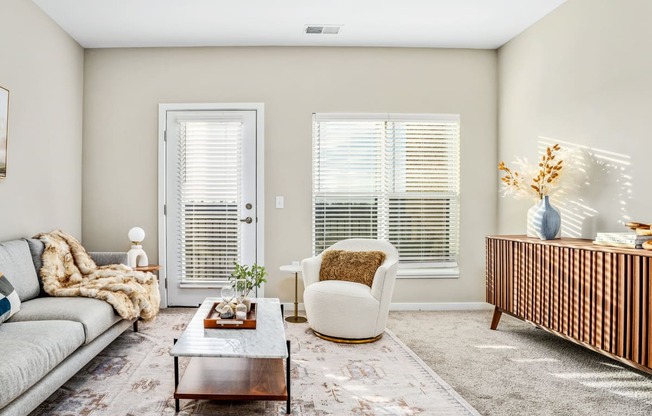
392, 177
209, 186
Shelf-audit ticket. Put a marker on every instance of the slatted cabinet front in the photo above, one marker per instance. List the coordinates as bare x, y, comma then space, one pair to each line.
597, 296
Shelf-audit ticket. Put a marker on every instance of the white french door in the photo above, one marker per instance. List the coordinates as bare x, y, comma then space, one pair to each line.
210, 200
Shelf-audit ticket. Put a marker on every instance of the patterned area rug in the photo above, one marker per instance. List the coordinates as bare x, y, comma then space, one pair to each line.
134, 376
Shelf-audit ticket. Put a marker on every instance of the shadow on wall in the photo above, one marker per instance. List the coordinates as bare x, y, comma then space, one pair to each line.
596, 181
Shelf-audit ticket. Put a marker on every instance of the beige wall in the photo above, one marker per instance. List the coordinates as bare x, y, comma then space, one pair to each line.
123, 88
582, 76
43, 69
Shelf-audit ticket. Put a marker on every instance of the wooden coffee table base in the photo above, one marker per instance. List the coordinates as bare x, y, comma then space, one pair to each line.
234, 379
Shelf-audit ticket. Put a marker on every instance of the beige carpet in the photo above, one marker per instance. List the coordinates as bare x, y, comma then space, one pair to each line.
134, 376
521, 370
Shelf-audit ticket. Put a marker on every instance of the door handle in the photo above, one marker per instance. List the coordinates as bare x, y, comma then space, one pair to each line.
248, 220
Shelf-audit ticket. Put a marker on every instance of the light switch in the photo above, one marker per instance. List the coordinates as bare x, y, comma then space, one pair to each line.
280, 202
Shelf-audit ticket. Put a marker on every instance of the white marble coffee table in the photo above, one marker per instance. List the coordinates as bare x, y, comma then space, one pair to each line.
234, 364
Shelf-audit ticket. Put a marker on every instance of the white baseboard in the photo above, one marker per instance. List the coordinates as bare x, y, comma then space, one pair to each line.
429, 306
289, 307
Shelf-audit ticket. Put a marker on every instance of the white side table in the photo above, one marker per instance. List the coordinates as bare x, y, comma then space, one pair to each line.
296, 269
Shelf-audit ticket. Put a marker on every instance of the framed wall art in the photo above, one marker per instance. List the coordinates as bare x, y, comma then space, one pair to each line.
4, 130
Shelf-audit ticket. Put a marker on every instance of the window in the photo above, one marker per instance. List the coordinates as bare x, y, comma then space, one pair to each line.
393, 177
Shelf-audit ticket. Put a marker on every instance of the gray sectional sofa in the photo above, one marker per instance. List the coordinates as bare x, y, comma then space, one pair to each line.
50, 338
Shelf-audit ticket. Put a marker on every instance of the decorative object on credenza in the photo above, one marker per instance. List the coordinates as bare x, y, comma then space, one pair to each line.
640, 228
647, 245
624, 240
4, 130
538, 183
546, 220
637, 238
634, 225
137, 256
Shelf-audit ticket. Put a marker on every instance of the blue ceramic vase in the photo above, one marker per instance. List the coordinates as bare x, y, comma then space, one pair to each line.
546, 220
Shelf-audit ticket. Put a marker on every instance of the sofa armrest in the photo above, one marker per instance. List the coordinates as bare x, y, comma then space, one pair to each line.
108, 257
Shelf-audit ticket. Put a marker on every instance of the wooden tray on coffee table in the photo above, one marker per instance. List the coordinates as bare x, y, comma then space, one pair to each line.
213, 320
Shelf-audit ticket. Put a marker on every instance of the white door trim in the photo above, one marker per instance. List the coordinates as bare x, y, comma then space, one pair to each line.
260, 181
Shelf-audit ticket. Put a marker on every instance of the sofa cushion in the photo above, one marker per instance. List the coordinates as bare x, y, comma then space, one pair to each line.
103, 258
36, 248
30, 350
16, 262
9, 301
352, 266
95, 315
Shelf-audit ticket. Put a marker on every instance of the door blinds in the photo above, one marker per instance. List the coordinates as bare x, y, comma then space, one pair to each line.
209, 187
391, 177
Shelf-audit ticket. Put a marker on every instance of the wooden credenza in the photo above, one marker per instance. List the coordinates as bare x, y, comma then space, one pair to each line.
599, 297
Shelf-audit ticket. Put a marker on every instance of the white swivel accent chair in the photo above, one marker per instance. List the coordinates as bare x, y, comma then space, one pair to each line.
343, 311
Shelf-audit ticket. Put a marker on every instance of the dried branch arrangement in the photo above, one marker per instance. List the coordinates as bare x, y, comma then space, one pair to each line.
543, 180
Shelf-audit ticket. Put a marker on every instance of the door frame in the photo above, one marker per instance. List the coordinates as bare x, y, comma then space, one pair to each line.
162, 197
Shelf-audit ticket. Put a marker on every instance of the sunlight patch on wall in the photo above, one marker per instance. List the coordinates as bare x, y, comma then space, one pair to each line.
588, 174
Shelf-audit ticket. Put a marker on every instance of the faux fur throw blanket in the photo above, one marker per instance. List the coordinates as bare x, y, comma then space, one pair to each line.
68, 270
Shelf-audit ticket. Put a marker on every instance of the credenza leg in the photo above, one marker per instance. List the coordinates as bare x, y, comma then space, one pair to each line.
494, 321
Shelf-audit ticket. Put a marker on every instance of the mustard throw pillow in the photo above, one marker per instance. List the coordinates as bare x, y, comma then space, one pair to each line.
352, 266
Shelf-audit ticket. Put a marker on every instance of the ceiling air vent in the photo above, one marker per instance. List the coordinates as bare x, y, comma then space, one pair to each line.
322, 29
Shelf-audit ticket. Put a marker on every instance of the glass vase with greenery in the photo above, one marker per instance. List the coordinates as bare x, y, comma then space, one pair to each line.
246, 278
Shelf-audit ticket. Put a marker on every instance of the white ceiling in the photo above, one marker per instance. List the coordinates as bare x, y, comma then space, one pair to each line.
482, 24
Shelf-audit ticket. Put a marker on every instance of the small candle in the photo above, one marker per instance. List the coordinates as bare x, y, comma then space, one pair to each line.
241, 315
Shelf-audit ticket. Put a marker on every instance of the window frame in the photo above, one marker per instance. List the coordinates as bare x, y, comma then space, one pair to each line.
443, 269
